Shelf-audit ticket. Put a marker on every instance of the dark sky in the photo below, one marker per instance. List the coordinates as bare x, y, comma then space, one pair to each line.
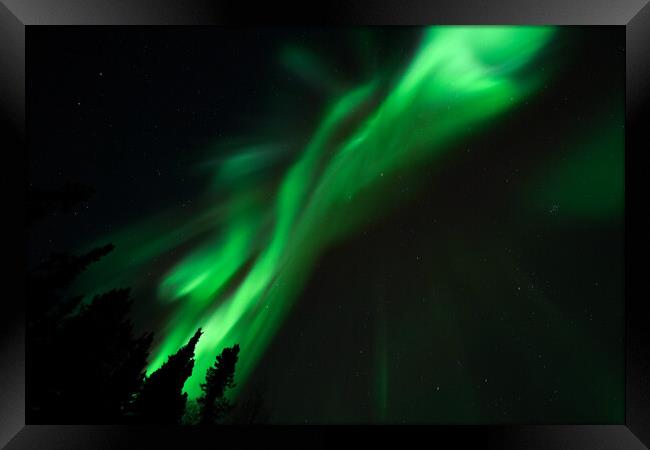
487, 313
134, 109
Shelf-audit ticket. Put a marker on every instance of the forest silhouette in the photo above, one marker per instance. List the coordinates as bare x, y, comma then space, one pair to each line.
85, 363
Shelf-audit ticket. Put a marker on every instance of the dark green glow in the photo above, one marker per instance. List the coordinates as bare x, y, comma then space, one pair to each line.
589, 182
459, 78
309, 68
382, 368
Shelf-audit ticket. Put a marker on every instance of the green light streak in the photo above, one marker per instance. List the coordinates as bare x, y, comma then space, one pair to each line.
239, 284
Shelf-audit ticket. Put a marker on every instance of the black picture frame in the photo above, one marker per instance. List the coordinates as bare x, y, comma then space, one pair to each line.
17, 16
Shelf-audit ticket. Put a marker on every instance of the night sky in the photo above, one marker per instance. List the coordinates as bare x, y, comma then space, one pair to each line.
397, 225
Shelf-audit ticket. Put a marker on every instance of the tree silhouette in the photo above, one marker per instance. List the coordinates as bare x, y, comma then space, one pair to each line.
103, 363
51, 344
250, 410
61, 269
192, 413
47, 282
162, 399
84, 362
92, 365
213, 403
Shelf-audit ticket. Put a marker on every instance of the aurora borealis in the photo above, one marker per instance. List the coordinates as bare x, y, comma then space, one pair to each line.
302, 208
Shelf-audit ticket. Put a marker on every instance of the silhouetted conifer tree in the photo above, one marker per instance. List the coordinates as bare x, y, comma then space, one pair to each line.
81, 368
61, 269
213, 403
162, 399
192, 413
48, 346
250, 410
85, 365
101, 363
46, 285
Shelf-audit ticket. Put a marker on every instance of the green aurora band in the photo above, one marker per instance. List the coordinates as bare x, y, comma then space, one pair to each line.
251, 253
